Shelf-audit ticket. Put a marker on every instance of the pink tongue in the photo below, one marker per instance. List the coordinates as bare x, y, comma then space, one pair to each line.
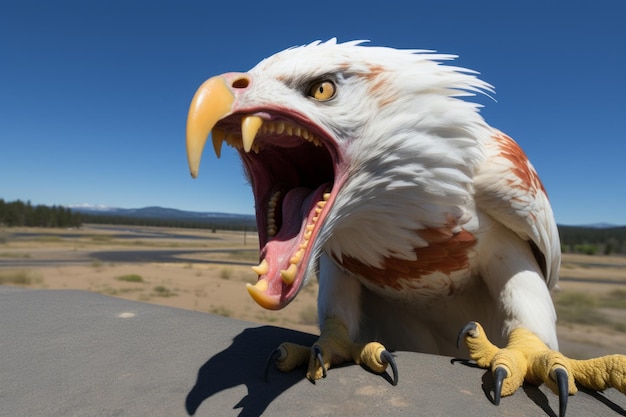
281, 248
293, 213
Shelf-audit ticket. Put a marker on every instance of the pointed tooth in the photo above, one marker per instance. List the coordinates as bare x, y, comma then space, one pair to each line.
297, 257
297, 131
305, 134
232, 141
280, 127
217, 136
262, 269
326, 196
258, 293
289, 130
250, 126
289, 275
261, 285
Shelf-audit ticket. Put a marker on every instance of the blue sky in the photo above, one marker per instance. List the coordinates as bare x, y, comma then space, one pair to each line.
94, 95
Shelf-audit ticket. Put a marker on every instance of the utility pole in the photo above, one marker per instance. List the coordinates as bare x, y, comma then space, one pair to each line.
244, 232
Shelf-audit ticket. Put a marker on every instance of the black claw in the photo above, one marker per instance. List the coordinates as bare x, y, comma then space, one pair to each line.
498, 375
318, 353
563, 386
469, 327
270, 360
387, 357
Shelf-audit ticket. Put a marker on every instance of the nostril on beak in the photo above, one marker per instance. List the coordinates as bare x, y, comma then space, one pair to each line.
242, 82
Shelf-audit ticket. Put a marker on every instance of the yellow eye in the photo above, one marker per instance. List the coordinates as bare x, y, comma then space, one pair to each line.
322, 90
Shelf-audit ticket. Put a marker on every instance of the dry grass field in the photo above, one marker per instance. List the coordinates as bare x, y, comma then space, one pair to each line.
204, 271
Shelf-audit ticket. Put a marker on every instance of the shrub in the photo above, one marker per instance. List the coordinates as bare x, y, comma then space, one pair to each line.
586, 249
161, 291
226, 273
19, 278
220, 311
130, 278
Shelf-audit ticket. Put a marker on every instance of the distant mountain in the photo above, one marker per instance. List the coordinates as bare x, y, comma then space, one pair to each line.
164, 213
156, 212
85, 208
600, 225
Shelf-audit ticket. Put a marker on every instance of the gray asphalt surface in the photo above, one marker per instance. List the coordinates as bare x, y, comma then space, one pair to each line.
133, 256
75, 353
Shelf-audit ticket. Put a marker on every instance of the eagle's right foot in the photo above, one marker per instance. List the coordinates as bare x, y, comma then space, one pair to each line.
333, 347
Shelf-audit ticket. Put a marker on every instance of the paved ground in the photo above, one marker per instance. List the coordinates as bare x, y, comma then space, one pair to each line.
75, 353
131, 256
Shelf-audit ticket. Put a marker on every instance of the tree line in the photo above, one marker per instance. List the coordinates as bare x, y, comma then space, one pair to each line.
592, 240
24, 214
19, 213
211, 224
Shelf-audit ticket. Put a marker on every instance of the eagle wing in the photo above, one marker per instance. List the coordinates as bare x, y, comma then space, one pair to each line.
508, 188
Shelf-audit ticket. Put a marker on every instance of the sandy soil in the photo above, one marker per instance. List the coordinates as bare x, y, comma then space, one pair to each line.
71, 261
168, 273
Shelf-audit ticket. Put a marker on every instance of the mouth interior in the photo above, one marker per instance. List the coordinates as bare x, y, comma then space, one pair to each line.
292, 175
284, 180
285, 174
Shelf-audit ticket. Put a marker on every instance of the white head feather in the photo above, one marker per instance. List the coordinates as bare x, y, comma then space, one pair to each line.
410, 142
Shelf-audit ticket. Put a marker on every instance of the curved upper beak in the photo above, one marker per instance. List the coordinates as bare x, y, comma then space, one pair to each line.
212, 102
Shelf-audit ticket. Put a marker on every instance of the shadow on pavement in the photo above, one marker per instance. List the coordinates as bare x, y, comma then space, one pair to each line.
242, 363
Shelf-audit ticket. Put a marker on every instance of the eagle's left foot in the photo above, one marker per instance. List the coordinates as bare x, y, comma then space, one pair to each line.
527, 358
333, 347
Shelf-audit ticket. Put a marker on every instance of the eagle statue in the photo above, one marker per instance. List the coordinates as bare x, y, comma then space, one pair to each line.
371, 171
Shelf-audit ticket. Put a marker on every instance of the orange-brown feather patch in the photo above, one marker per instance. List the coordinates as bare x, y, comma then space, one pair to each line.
376, 77
446, 252
521, 166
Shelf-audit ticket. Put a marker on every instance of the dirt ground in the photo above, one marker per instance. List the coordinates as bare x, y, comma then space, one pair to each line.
41, 258
159, 265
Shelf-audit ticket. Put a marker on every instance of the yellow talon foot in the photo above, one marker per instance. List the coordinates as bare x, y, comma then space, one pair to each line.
287, 357
333, 348
527, 358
